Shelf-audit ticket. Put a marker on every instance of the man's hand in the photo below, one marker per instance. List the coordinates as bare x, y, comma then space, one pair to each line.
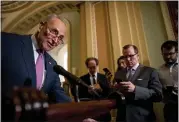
97, 87
89, 120
108, 76
126, 86
90, 89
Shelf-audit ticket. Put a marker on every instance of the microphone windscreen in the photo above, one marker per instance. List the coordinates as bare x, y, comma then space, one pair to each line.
28, 82
59, 70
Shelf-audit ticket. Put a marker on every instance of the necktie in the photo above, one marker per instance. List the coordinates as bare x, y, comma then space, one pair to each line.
130, 74
94, 81
39, 69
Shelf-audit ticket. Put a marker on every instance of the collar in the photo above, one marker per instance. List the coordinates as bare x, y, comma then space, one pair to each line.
34, 43
94, 74
134, 67
176, 63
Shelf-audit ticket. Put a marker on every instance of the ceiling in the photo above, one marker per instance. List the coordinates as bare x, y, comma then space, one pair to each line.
22, 16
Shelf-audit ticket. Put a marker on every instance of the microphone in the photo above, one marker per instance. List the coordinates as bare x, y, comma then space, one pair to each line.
28, 82
72, 78
60, 70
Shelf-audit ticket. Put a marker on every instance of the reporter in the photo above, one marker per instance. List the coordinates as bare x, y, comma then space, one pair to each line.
168, 74
141, 87
98, 82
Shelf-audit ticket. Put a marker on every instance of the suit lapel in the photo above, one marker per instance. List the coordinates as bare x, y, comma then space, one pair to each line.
137, 73
28, 55
88, 79
47, 67
98, 78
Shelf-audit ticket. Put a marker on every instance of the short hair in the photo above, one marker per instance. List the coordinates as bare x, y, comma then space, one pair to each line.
91, 58
130, 45
51, 16
120, 58
169, 44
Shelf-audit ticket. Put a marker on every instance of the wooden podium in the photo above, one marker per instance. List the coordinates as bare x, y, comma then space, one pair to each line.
34, 107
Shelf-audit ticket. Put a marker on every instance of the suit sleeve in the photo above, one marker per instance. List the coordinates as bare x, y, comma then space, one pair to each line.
153, 92
60, 95
83, 91
105, 87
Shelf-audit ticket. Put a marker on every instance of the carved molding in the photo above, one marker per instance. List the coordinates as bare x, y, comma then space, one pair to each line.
32, 16
12, 6
35, 18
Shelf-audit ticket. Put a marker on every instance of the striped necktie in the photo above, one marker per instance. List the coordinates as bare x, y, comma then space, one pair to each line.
130, 74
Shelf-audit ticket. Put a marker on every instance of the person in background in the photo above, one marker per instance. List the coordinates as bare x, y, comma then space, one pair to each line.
121, 63
97, 82
141, 87
121, 112
168, 74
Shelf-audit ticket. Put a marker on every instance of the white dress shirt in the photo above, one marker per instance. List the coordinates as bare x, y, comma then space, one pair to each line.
169, 75
36, 54
132, 70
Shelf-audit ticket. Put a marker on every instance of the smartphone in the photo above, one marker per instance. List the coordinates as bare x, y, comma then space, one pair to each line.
106, 70
169, 88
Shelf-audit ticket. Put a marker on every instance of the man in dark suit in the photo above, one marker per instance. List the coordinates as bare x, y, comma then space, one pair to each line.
141, 87
97, 82
24, 58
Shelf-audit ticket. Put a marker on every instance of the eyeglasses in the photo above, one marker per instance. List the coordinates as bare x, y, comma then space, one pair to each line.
53, 32
129, 56
168, 54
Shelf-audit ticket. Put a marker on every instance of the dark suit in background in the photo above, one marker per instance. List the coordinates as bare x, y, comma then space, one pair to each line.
83, 92
18, 65
139, 105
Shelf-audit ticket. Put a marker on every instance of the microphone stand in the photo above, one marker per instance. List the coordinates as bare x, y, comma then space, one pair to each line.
76, 94
94, 92
60, 70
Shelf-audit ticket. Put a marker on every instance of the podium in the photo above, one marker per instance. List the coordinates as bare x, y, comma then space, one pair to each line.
35, 108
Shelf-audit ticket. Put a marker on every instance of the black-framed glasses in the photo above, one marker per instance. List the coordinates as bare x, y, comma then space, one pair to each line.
129, 56
169, 54
53, 32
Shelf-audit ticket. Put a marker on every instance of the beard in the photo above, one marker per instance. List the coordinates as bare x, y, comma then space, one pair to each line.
171, 62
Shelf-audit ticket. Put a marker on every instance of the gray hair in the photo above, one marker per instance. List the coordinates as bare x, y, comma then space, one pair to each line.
51, 16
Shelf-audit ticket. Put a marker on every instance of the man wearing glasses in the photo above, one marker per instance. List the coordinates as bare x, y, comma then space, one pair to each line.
25, 58
168, 74
141, 87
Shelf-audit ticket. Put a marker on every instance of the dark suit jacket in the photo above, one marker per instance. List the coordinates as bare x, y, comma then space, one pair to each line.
83, 91
18, 65
139, 105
